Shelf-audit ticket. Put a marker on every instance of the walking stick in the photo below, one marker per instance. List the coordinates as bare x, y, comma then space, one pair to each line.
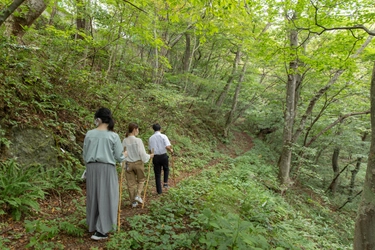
174, 177
119, 201
148, 177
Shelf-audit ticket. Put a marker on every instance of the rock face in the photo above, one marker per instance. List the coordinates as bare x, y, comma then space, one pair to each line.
33, 146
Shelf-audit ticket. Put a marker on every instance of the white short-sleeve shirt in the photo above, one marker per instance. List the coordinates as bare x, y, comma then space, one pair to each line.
158, 142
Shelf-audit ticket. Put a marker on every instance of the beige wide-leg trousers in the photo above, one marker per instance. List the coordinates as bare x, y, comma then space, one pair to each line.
135, 177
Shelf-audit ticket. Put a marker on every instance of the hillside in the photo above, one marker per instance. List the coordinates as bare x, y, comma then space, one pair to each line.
217, 182
266, 103
229, 187
61, 207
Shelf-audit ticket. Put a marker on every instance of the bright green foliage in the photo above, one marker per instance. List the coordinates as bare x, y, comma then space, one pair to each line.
61, 179
20, 189
44, 231
234, 206
56, 81
230, 231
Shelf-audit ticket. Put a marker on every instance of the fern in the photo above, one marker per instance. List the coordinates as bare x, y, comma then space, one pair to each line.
19, 189
71, 229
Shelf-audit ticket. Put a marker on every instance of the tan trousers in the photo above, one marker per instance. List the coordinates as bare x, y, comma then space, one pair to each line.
135, 177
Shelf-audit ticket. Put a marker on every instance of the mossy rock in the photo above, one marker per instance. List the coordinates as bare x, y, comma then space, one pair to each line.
32, 146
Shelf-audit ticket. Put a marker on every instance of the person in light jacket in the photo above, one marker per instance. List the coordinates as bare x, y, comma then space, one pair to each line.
135, 159
101, 150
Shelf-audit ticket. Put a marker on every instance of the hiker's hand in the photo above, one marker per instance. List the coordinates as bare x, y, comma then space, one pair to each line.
151, 156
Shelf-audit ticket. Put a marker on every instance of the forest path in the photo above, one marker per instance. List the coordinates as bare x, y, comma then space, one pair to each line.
65, 206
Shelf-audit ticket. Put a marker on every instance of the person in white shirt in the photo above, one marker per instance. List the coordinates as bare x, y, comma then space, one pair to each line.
135, 159
161, 144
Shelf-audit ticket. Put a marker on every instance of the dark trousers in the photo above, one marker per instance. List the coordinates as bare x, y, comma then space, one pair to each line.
160, 161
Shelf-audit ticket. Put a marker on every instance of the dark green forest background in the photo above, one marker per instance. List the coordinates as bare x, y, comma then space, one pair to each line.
292, 79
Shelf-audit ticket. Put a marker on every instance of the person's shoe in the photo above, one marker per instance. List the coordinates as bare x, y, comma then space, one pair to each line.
165, 185
135, 204
139, 199
99, 236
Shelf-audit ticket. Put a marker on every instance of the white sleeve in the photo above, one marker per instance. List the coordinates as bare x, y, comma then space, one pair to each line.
166, 141
142, 152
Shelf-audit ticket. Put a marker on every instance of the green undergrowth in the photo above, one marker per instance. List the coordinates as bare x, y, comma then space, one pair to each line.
235, 204
21, 188
231, 206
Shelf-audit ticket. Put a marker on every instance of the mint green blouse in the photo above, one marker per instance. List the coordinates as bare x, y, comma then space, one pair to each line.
102, 146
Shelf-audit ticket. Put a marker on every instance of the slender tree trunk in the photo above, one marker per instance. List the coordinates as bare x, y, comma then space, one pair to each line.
365, 223
114, 52
284, 163
226, 89
7, 11
195, 48
187, 54
207, 68
336, 170
186, 58
231, 115
232, 111
356, 170
156, 66
15, 23
354, 174
80, 20
53, 13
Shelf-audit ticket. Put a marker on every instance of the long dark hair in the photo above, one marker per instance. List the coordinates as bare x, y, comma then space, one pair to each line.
131, 127
106, 116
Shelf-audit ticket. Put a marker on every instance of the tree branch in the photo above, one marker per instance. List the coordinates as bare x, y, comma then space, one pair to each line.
337, 176
135, 6
7, 11
355, 27
350, 199
340, 119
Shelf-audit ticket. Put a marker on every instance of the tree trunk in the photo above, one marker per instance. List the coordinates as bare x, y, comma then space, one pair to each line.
7, 11
53, 13
233, 109
354, 174
15, 24
231, 115
80, 20
336, 170
226, 89
187, 54
356, 170
286, 153
156, 65
365, 223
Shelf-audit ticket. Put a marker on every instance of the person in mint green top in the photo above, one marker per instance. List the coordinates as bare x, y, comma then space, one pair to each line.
102, 148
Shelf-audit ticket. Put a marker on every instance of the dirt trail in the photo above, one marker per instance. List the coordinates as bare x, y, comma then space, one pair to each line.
242, 142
